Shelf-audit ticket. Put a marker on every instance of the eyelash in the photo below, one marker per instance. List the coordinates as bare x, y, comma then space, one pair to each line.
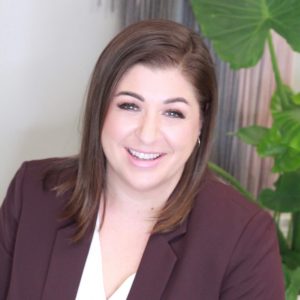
175, 114
129, 106
133, 107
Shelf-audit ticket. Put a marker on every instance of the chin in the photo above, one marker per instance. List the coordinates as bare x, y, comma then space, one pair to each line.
153, 184
145, 186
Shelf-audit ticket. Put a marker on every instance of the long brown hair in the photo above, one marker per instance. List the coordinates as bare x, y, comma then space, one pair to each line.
158, 43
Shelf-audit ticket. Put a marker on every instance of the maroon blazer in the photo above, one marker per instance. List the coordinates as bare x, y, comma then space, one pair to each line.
226, 249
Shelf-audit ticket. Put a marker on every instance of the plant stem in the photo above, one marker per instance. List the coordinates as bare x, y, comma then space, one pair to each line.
276, 217
276, 71
233, 181
296, 231
290, 231
283, 243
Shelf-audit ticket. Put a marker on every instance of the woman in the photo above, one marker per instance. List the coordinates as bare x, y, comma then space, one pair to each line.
136, 215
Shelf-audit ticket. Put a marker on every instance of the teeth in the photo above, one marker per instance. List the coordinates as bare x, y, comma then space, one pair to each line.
145, 156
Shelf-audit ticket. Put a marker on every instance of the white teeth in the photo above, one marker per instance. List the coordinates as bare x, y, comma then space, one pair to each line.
145, 156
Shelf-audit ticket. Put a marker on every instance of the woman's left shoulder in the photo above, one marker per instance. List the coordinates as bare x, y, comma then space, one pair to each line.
219, 202
238, 240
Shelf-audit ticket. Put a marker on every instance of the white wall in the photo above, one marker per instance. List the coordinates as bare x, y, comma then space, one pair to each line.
47, 52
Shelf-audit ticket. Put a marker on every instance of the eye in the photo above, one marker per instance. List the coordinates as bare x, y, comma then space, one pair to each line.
174, 114
128, 106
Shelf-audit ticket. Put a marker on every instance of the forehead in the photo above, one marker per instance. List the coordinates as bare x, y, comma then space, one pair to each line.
157, 82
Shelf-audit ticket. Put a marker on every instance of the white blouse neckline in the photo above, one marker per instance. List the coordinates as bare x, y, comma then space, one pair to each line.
91, 284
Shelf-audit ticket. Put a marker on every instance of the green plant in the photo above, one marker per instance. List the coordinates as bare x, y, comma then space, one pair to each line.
239, 31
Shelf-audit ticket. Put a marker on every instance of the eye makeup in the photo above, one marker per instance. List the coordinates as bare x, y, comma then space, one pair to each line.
174, 114
128, 106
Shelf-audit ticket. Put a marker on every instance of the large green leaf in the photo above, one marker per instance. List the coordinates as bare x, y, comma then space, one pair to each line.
286, 196
252, 135
239, 29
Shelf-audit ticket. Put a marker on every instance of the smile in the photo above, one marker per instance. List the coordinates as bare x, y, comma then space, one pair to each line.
144, 156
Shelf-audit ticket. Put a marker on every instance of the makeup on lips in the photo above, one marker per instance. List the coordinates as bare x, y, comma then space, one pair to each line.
144, 159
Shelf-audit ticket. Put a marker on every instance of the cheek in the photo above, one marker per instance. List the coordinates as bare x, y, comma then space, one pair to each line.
110, 129
115, 128
184, 138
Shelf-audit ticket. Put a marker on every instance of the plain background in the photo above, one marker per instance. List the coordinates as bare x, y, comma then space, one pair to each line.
47, 53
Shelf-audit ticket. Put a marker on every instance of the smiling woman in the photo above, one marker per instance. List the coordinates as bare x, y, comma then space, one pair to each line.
136, 214
144, 134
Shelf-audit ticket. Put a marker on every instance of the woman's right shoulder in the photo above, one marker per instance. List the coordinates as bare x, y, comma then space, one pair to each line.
38, 168
28, 209
33, 182
48, 173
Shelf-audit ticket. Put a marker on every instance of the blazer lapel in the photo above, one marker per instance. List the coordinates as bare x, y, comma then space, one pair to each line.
66, 265
156, 266
67, 262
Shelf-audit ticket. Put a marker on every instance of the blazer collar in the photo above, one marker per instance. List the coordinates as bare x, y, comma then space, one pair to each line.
66, 264
68, 259
156, 266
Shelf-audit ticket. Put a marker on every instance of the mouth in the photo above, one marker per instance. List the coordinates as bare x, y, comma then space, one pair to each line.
143, 155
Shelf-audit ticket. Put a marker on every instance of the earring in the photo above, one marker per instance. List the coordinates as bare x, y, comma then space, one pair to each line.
198, 140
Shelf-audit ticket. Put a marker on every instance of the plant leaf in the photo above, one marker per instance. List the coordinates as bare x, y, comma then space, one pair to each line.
292, 282
287, 161
288, 122
271, 144
239, 29
296, 99
286, 117
252, 135
286, 196
278, 104
284, 19
291, 258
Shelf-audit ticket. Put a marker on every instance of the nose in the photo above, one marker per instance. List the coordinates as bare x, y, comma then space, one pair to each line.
148, 129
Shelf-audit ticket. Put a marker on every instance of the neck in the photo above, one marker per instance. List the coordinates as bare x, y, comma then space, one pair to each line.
131, 203
138, 204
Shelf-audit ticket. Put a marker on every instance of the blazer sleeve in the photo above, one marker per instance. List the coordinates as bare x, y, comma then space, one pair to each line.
9, 216
254, 271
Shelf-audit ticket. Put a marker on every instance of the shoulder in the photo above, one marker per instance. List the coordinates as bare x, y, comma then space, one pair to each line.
34, 170
238, 240
43, 174
29, 175
27, 193
23, 201
229, 224
218, 202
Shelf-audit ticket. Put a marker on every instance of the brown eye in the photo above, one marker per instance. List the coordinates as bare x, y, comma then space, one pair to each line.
129, 106
174, 114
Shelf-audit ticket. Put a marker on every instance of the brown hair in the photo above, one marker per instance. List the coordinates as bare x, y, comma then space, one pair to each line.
157, 43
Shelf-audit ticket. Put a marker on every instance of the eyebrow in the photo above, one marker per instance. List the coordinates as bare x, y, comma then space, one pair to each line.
141, 98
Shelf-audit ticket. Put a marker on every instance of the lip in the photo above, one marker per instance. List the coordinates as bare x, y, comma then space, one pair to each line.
144, 163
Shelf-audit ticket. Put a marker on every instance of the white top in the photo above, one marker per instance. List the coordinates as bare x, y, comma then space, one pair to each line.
91, 284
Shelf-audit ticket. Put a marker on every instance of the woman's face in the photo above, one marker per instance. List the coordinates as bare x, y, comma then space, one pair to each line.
151, 128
